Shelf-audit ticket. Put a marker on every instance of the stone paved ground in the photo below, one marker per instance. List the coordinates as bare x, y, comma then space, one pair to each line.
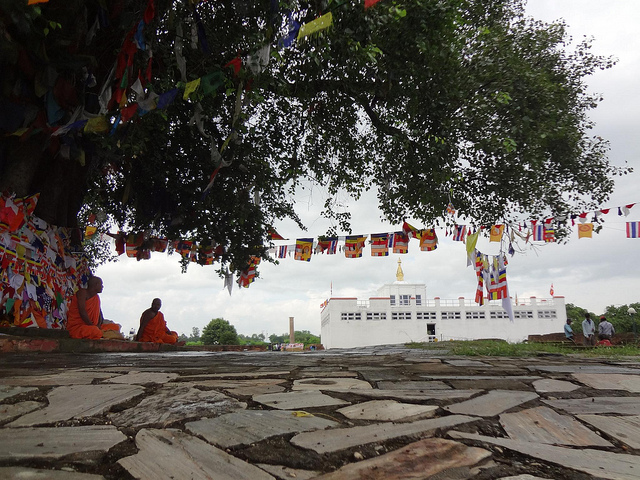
375, 413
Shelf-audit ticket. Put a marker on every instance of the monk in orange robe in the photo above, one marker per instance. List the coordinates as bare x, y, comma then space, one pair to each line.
153, 327
85, 317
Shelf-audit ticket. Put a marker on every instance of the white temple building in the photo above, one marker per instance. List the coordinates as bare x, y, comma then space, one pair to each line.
401, 313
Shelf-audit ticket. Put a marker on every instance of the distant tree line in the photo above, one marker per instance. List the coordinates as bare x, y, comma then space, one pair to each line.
220, 332
617, 315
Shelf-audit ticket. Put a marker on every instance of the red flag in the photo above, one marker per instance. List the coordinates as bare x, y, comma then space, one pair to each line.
551, 290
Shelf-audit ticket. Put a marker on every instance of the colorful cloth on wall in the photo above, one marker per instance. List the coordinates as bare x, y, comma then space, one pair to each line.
39, 274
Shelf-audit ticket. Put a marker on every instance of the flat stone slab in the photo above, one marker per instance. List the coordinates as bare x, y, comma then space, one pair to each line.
70, 377
467, 363
484, 377
8, 391
143, 378
24, 473
249, 426
598, 463
378, 374
78, 401
610, 381
286, 473
493, 403
419, 385
330, 384
176, 402
315, 373
443, 395
548, 385
340, 438
543, 425
584, 369
298, 400
247, 388
419, 460
489, 384
597, 405
174, 454
247, 375
625, 429
388, 411
11, 412
55, 443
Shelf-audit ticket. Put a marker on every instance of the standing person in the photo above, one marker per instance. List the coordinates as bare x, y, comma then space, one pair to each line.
605, 329
589, 330
153, 327
85, 317
568, 331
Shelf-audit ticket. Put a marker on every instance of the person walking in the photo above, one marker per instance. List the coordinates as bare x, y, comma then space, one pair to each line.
588, 330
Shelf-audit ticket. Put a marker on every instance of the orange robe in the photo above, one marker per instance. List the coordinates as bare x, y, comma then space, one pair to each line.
156, 331
76, 326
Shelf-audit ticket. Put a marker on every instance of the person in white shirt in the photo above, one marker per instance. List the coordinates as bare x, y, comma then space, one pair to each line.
589, 330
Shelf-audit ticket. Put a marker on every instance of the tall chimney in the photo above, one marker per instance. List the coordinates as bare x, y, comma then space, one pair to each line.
292, 332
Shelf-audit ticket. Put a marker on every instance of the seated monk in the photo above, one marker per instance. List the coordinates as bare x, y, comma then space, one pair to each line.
85, 317
153, 328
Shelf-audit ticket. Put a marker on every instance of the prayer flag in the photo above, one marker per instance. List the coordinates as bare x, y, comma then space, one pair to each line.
303, 249
248, 275
273, 235
90, 231
354, 245
97, 125
633, 229
282, 251
411, 232
459, 233
451, 209
551, 292
538, 233
379, 244
428, 240
400, 243
585, 230
190, 88
316, 25
370, 3
496, 233
328, 245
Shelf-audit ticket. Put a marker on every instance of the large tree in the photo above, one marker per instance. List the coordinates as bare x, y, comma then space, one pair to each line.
425, 101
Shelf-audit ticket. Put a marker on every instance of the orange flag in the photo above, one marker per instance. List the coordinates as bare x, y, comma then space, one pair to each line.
496, 233
585, 230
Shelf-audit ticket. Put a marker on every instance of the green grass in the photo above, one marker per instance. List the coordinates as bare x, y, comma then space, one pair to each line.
498, 348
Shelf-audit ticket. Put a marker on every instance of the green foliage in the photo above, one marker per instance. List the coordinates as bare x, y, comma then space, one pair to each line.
301, 336
254, 339
419, 100
219, 332
620, 318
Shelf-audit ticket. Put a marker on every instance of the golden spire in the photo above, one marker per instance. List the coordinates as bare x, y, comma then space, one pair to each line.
399, 272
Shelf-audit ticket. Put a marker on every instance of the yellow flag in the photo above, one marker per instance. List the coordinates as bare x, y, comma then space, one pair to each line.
97, 125
316, 25
496, 233
90, 231
190, 88
585, 230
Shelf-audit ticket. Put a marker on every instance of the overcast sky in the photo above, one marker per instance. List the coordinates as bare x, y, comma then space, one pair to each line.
591, 273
